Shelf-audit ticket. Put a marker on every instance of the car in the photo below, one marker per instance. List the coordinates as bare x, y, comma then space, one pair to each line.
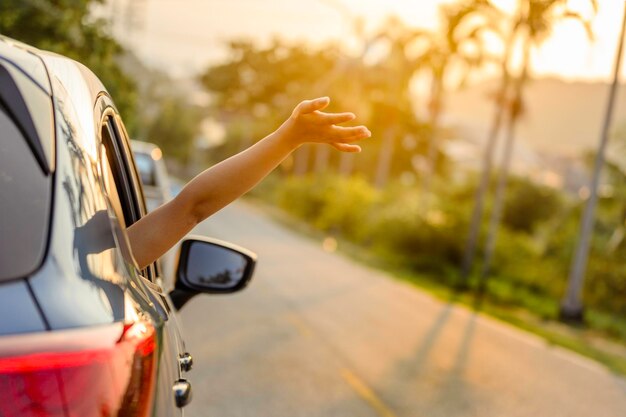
83, 330
153, 173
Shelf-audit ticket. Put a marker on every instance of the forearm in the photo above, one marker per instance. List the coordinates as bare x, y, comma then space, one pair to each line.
206, 194
218, 186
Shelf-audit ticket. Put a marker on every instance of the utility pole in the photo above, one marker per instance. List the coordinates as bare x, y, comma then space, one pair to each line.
572, 308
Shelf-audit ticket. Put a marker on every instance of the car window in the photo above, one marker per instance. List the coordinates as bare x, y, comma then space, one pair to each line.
134, 178
25, 204
116, 183
119, 184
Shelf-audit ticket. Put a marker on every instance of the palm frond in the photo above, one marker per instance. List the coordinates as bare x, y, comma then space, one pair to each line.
568, 14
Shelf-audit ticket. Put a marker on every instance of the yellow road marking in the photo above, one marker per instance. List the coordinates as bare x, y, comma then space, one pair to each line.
366, 393
360, 387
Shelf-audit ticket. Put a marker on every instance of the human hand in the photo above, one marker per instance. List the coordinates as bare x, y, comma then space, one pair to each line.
308, 123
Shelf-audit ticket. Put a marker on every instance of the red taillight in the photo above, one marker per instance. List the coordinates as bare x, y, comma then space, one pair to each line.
115, 378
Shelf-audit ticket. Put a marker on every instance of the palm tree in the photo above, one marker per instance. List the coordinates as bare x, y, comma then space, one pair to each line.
515, 110
571, 305
532, 24
443, 51
487, 162
458, 44
395, 74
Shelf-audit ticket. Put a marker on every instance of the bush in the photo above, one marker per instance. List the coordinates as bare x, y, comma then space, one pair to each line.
303, 197
533, 251
520, 261
348, 208
425, 239
338, 205
528, 204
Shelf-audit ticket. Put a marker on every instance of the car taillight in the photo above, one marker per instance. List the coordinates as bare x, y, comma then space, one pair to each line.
111, 374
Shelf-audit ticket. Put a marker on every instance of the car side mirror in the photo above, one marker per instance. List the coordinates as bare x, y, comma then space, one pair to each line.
211, 266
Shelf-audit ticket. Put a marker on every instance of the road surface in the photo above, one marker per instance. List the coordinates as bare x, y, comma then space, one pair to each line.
317, 335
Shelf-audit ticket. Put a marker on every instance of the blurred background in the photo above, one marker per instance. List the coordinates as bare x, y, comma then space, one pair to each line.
487, 119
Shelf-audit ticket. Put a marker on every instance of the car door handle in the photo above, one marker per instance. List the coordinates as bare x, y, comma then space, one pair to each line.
182, 392
186, 361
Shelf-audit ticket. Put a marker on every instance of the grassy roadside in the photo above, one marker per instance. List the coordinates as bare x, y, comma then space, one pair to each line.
584, 341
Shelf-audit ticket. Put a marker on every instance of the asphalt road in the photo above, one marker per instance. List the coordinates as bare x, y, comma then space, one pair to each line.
317, 335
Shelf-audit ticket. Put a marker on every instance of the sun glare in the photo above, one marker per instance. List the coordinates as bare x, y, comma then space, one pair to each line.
186, 39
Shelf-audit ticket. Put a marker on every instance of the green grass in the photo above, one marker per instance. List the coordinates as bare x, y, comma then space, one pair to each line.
602, 338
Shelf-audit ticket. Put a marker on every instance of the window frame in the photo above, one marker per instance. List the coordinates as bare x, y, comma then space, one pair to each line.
125, 175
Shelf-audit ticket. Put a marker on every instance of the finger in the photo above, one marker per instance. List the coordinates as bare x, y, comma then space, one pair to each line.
345, 147
309, 106
336, 118
341, 132
351, 139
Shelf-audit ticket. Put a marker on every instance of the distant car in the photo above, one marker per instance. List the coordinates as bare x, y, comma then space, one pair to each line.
83, 330
153, 173
157, 190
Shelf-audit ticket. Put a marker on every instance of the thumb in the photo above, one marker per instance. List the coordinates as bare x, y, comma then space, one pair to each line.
309, 106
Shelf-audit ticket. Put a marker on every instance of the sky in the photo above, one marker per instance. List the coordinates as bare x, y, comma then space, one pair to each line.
184, 36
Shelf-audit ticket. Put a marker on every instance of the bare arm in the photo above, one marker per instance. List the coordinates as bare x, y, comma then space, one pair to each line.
215, 188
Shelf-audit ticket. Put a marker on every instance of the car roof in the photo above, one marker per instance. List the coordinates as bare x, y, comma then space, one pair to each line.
24, 57
58, 76
25, 93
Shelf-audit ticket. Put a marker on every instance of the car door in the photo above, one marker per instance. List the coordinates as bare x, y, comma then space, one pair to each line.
124, 186
156, 271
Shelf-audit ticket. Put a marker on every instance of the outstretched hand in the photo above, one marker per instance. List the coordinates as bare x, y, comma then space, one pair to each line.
308, 123
154, 234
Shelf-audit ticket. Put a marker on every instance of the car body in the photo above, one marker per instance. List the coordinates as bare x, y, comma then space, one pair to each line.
153, 173
83, 330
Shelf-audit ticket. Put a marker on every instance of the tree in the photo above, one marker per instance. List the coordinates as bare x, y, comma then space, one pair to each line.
534, 22
571, 305
265, 84
67, 27
174, 128
266, 81
458, 45
531, 25
391, 78
260, 86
